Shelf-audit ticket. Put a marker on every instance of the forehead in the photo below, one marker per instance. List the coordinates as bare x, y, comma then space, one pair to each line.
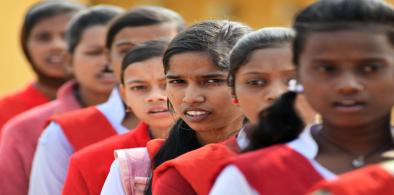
148, 69
94, 35
349, 44
140, 34
52, 23
269, 59
192, 64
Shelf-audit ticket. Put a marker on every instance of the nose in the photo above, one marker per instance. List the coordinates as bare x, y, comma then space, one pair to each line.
59, 43
157, 95
275, 91
348, 84
193, 95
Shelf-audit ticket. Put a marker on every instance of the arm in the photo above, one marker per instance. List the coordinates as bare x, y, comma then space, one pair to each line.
232, 181
113, 184
50, 162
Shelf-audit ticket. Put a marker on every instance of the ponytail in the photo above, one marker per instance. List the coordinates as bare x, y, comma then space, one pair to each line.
182, 139
279, 123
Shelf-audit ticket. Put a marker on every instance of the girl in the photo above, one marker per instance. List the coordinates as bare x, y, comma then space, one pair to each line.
343, 53
142, 86
260, 70
44, 47
20, 135
73, 131
193, 95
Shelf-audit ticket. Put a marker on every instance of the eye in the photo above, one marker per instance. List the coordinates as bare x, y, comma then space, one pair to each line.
138, 88
257, 82
176, 82
93, 52
43, 37
369, 68
325, 68
215, 81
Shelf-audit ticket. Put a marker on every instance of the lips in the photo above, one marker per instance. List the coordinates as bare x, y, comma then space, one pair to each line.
158, 111
349, 106
106, 77
196, 114
55, 59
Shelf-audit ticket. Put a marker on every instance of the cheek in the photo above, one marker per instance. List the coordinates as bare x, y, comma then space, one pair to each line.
174, 96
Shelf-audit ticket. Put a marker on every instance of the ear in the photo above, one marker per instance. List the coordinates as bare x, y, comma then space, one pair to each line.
69, 63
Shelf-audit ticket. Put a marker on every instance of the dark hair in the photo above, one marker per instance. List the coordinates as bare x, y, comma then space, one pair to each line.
216, 38
280, 121
142, 52
40, 11
274, 37
143, 16
97, 15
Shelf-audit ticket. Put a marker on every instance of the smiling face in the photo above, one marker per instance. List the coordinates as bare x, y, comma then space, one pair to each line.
262, 79
47, 47
198, 92
348, 76
144, 92
129, 37
89, 61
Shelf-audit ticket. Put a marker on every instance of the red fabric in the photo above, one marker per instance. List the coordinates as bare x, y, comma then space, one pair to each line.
20, 101
277, 170
89, 167
85, 127
20, 137
366, 181
154, 146
192, 170
172, 182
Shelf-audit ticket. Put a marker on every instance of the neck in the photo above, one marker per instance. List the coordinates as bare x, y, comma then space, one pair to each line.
361, 139
47, 88
219, 135
130, 121
159, 132
90, 98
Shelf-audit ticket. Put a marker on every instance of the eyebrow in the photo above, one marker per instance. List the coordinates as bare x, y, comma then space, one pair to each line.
134, 81
206, 76
121, 43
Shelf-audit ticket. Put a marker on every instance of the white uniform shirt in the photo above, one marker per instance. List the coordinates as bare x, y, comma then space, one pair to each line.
232, 181
53, 152
113, 184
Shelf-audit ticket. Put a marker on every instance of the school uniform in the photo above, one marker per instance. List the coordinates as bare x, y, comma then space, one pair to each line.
190, 172
20, 137
68, 134
89, 167
280, 169
373, 179
195, 165
20, 101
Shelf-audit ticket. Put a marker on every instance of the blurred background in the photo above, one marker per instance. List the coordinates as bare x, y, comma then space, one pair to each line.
15, 72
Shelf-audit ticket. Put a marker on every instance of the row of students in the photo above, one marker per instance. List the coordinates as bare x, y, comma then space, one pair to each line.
343, 52
341, 64
260, 69
321, 65
71, 132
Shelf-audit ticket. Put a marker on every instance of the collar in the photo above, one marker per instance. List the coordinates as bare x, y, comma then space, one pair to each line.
113, 109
